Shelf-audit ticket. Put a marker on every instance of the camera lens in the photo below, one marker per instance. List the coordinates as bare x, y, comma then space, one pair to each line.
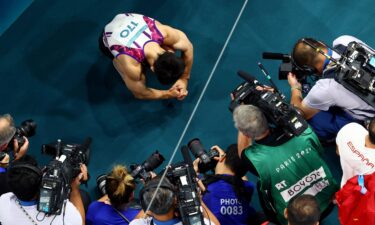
27, 128
101, 181
196, 147
155, 160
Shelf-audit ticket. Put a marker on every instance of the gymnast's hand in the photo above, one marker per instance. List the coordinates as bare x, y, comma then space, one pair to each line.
181, 87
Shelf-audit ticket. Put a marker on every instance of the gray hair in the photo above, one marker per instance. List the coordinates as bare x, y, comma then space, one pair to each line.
164, 198
250, 120
6, 131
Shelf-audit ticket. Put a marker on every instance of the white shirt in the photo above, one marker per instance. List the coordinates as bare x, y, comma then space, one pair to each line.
328, 92
12, 214
355, 157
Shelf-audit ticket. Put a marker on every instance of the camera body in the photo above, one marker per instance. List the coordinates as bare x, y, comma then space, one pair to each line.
183, 177
288, 66
27, 129
143, 170
60, 172
138, 171
207, 161
278, 113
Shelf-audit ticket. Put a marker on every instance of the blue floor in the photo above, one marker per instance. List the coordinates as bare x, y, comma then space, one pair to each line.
53, 72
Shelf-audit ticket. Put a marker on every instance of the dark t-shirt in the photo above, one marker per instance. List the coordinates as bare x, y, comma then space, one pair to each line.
4, 188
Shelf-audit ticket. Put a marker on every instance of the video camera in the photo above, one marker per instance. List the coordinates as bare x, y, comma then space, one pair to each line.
288, 66
183, 176
60, 172
207, 161
273, 105
27, 129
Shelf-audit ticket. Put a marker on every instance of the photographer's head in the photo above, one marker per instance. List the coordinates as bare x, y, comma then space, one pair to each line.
303, 210
119, 186
168, 68
164, 201
24, 178
250, 121
234, 162
305, 57
7, 130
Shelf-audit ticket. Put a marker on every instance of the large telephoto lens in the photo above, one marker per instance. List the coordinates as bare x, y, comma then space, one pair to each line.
155, 160
196, 147
27, 128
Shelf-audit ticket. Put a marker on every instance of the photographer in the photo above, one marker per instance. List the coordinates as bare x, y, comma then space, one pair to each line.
356, 147
7, 132
329, 105
286, 166
227, 195
301, 210
20, 205
163, 208
114, 208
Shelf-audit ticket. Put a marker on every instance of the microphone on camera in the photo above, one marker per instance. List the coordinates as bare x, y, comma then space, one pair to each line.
268, 76
249, 78
279, 56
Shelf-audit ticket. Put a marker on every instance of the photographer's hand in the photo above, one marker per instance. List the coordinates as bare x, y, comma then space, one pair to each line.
5, 161
265, 88
293, 82
221, 153
75, 195
84, 171
296, 98
195, 165
20, 151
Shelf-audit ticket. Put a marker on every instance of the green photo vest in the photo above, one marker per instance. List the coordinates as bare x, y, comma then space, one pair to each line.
291, 169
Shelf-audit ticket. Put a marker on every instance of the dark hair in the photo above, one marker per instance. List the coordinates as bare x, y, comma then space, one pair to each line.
371, 131
305, 55
238, 167
119, 186
303, 210
164, 199
24, 178
168, 68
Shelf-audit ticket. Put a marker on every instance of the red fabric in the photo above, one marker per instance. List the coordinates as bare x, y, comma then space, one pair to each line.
354, 207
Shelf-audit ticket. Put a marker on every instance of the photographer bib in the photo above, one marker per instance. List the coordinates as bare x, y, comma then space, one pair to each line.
292, 169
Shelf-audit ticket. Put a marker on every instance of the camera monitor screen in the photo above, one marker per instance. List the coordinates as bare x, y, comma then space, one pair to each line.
372, 61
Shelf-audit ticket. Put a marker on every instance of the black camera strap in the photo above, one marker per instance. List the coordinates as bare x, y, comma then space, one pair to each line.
122, 215
26, 213
209, 179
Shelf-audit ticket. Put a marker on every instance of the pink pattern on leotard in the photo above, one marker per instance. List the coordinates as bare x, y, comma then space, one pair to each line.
137, 53
155, 33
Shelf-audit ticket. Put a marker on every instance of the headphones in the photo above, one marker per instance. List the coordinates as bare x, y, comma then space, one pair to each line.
306, 69
35, 169
153, 184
